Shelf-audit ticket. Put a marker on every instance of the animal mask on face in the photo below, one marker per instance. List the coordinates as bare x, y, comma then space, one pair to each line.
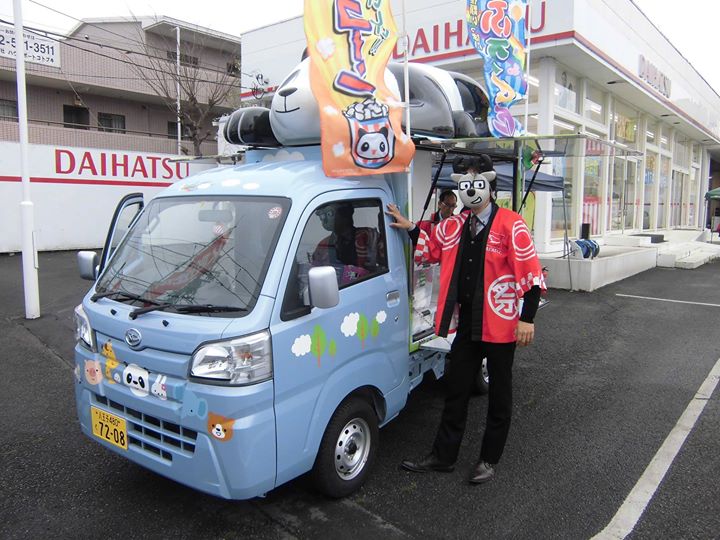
474, 188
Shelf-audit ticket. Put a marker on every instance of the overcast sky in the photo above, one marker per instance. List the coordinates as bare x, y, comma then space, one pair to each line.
692, 29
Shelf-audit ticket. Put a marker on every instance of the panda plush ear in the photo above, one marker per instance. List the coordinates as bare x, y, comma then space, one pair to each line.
489, 175
456, 177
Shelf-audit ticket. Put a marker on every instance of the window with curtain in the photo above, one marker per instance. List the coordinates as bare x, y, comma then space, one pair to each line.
111, 122
8, 110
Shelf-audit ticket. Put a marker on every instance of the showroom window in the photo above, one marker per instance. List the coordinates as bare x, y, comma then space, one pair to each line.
651, 132
594, 107
592, 201
566, 89
625, 124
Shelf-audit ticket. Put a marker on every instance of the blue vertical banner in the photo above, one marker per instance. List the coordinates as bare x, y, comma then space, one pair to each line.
497, 31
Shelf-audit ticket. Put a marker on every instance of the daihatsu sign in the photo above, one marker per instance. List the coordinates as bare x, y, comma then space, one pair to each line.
87, 165
75, 190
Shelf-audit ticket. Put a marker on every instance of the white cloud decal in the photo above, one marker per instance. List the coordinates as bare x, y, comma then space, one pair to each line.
326, 47
349, 324
381, 317
302, 345
338, 149
284, 155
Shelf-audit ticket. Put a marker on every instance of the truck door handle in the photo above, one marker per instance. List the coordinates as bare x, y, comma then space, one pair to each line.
393, 298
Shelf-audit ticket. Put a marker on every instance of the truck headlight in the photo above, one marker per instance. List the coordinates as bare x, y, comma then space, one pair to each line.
241, 361
83, 332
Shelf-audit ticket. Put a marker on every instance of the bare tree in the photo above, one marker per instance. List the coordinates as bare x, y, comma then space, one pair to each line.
208, 77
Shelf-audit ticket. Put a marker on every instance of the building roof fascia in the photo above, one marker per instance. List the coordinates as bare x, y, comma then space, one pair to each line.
148, 23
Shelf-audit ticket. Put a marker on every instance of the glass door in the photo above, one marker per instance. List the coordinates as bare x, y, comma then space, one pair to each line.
630, 197
676, 199
649, 186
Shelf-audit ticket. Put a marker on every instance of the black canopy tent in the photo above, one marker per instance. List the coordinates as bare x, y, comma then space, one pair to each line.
543, 181
522, 158
528, 152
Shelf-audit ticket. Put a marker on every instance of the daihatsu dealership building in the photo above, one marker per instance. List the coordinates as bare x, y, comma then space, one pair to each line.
597, 67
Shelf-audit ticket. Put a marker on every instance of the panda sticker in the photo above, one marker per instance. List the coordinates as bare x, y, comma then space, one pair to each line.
137, 379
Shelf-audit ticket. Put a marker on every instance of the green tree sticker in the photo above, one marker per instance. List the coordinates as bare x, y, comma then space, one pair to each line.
374, 328
319, 342
332, 348
362, 330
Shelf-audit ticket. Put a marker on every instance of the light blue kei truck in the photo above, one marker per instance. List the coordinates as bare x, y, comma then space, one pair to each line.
234, 337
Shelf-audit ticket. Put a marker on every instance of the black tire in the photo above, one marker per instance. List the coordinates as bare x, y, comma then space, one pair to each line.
347, 450
482, 383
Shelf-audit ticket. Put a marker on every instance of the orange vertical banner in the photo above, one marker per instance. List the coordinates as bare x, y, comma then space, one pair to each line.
350, 43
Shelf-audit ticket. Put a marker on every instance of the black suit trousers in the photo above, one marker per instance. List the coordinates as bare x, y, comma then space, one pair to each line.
460, 376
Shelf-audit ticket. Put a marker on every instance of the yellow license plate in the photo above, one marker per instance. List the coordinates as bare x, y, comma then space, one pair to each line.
109, 427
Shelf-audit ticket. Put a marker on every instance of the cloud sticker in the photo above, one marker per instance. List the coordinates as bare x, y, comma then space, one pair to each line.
349, 324
302, 345
338, 149
381, 317
284, 155
326, 47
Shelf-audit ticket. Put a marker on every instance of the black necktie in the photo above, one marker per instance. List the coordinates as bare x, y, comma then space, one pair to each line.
476, 225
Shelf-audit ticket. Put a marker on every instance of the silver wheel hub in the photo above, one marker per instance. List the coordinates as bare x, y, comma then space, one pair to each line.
352, 449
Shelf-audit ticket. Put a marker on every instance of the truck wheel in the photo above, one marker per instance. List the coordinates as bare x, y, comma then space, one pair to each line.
482, 384
347, 450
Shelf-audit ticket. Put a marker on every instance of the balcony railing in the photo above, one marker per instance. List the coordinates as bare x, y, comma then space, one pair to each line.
86, 136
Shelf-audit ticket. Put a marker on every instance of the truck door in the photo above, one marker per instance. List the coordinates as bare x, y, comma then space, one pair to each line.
125, 213
322, 355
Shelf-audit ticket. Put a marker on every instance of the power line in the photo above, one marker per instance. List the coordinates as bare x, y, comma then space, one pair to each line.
124, 50
124, 39
136, 65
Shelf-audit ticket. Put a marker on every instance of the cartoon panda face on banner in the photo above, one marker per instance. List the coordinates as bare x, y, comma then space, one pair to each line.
371, 135
474, 188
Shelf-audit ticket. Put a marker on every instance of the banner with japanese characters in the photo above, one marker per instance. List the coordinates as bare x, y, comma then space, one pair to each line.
350, 43
497, 31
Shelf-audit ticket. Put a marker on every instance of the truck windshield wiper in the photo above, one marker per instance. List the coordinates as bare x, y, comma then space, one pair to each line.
130, 296
186, 308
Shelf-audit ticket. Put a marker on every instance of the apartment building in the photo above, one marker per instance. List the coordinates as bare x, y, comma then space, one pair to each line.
102, 120
98, 97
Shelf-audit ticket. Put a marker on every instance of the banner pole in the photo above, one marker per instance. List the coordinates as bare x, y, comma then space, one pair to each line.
527, 59
406, 74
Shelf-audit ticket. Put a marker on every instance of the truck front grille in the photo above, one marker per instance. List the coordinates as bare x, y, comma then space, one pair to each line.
154, 435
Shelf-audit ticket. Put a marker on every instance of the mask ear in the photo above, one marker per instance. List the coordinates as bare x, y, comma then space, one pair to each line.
488, 176
456, 177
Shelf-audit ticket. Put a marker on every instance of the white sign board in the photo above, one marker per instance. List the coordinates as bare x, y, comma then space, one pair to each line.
75, 190
38, 49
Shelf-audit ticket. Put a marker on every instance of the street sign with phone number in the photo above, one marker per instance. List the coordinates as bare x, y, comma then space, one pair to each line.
38, 49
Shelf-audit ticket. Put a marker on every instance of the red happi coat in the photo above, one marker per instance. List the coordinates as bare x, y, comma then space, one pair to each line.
511, 268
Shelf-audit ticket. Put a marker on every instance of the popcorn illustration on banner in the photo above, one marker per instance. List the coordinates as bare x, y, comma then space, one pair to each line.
350, 43
371, 135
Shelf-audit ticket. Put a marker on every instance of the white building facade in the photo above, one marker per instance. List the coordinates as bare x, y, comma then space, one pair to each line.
598, 67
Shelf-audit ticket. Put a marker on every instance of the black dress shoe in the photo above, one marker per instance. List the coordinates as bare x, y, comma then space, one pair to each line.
482, 473
427, 464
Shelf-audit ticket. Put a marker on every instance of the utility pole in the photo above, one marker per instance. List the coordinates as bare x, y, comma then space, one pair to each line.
177, 89
29, 252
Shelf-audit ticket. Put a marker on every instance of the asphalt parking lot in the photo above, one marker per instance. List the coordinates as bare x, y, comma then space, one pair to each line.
596, 396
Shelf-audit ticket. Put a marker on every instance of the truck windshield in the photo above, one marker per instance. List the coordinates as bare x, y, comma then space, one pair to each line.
196, 251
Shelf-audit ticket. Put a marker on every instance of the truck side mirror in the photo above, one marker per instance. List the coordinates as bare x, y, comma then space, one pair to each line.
324, 291
88, 264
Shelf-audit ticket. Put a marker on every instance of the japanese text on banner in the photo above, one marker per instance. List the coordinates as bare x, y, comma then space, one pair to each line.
497, 31
350, 42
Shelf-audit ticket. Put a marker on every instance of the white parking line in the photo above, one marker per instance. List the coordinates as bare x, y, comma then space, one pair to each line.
667, 300
634, 505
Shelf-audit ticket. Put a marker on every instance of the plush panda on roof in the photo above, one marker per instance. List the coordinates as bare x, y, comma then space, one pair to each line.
442, 104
